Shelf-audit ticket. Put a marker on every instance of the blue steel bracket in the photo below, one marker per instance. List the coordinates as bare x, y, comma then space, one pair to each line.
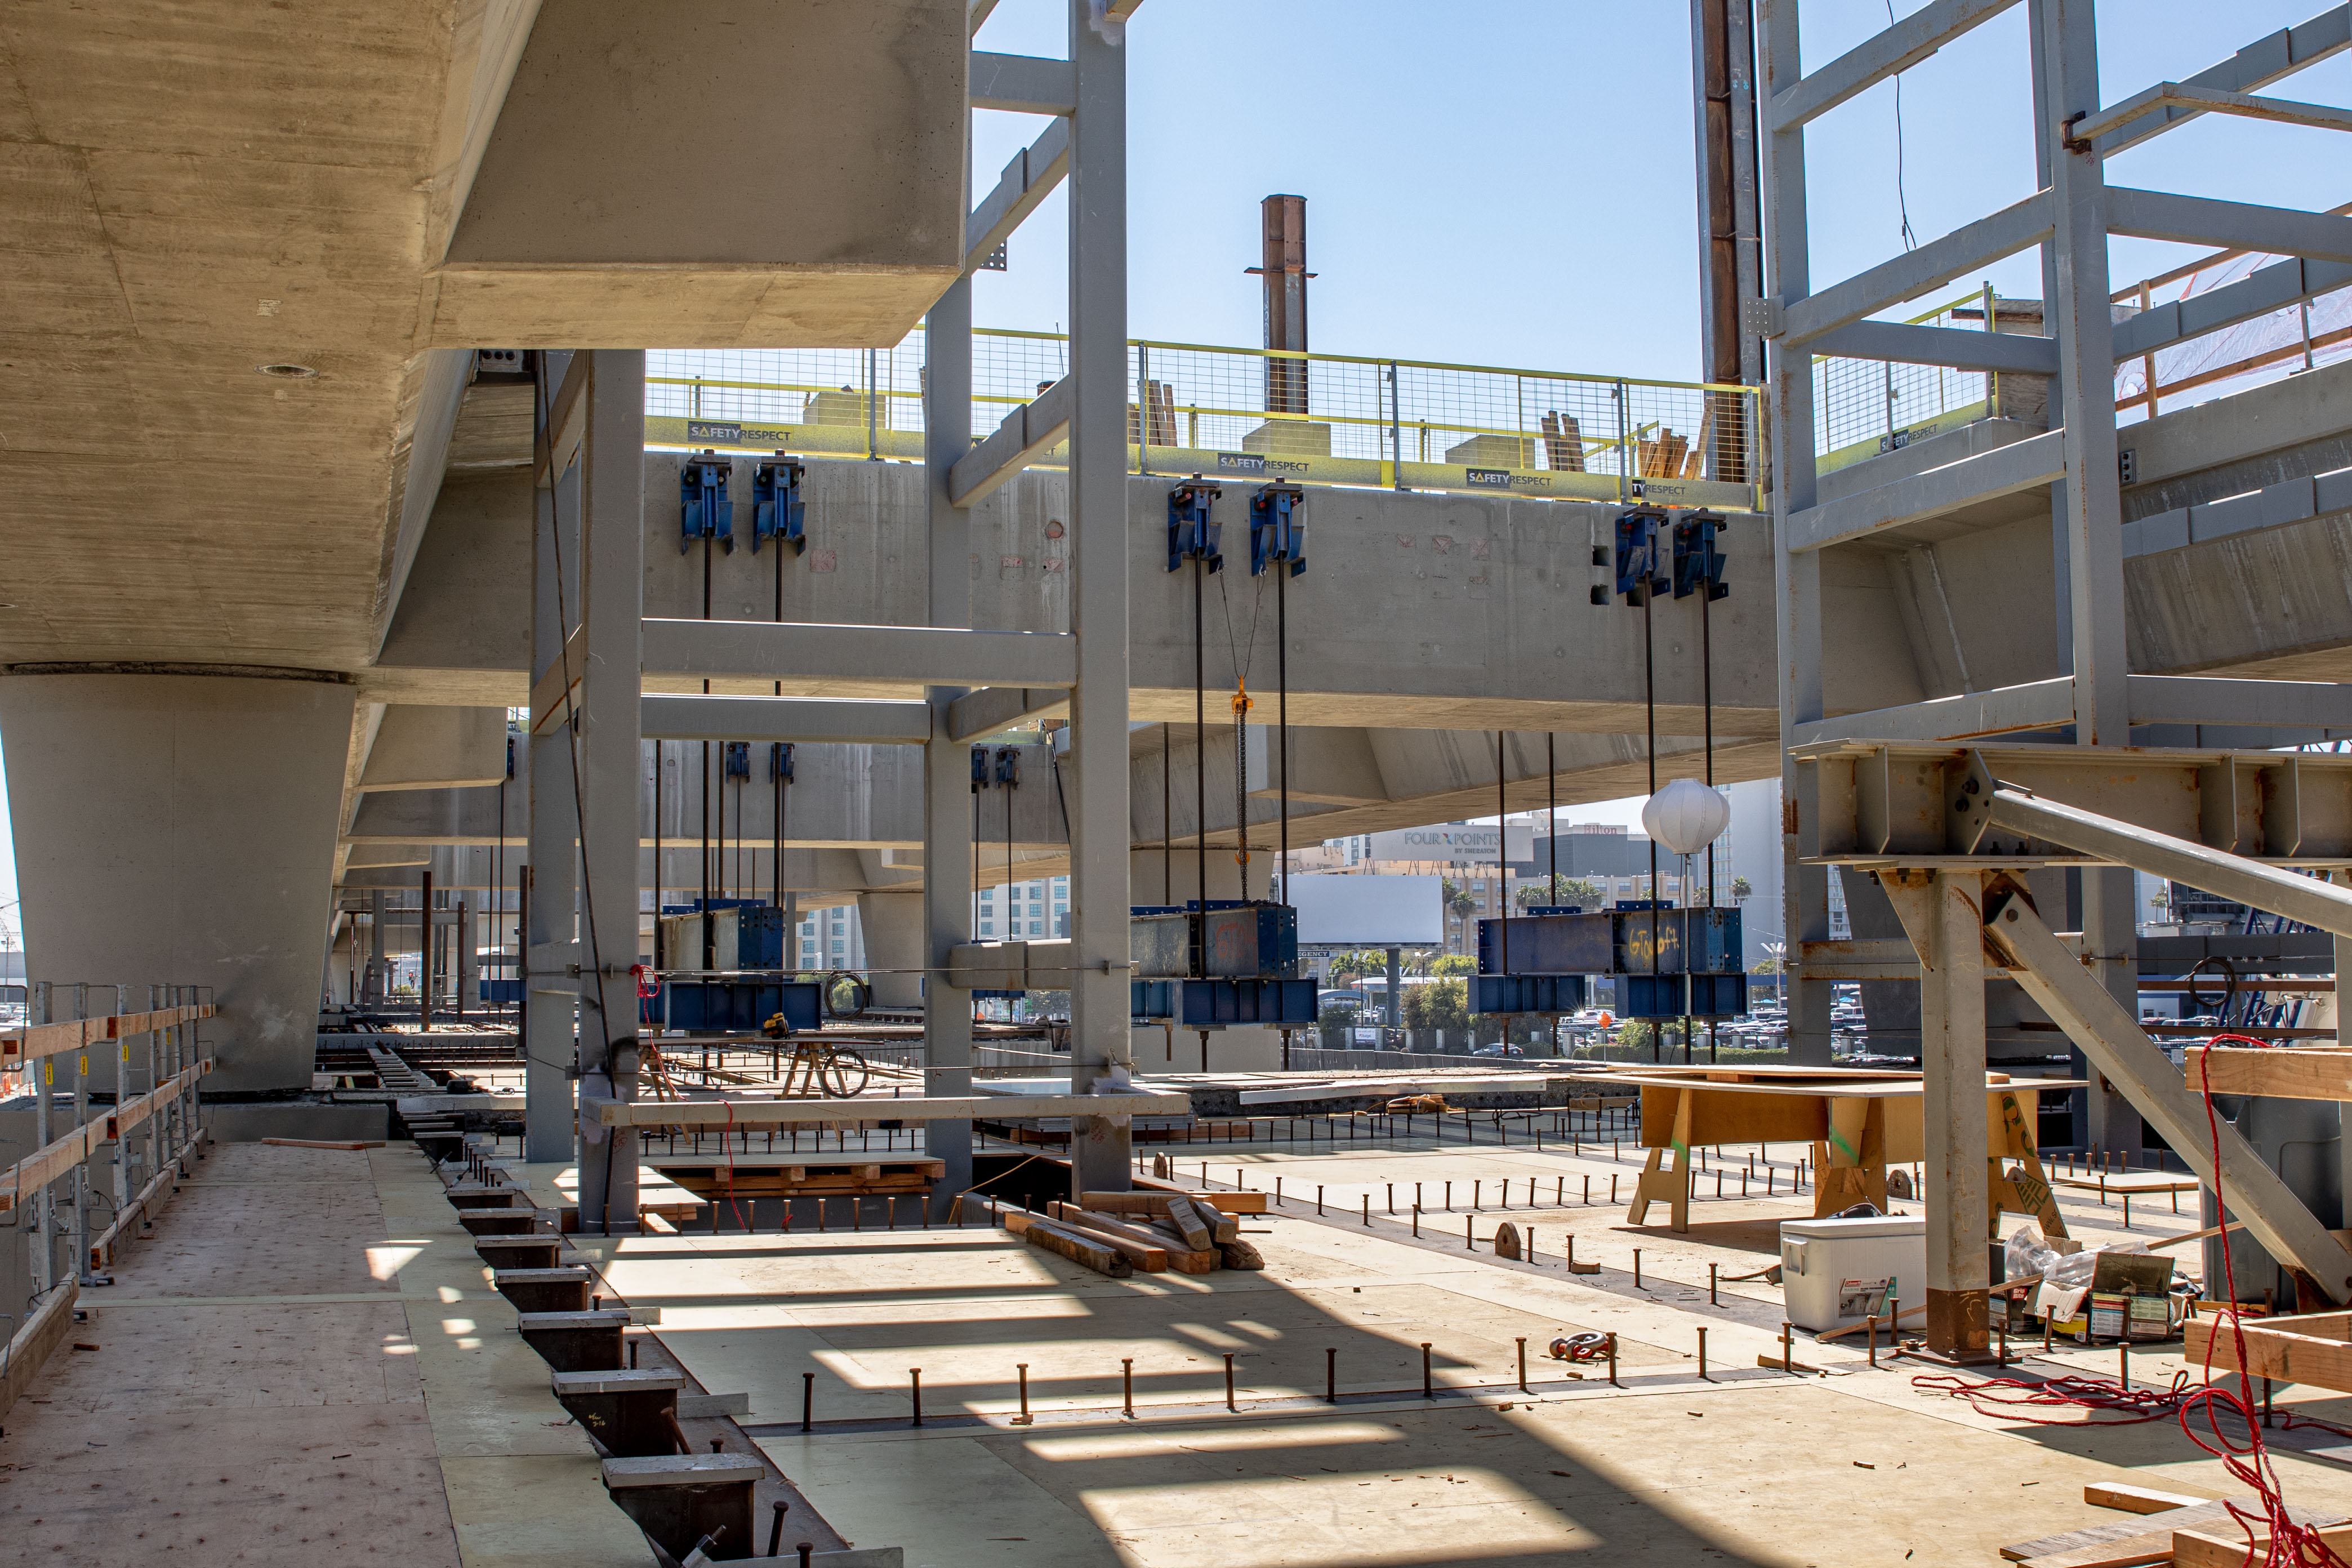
776, 510
1008, 766
780, 762
1277, 531
1699, 565
1193, 533
979, 769
1642, 570
703, 512
739, 760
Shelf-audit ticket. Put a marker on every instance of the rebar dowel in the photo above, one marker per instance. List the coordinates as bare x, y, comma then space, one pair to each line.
805, 1548
1523, 1361
1874, 1339
915, 1388
1637, 1268
1613, 1359
1786, 1363
1470, 1231
1331, 1375
1416, 1221
1024, 1392
2123, 1357
808, 1398
1427, 1392
776, 1530
1229, 1381
1711, 1299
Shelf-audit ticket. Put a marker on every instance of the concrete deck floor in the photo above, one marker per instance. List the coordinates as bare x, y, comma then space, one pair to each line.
1748, 1467
307, 1364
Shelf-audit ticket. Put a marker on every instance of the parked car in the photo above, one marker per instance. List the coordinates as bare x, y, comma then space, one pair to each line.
1498, 1049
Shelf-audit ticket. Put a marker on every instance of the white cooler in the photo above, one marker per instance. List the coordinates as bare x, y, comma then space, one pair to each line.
1838, 1271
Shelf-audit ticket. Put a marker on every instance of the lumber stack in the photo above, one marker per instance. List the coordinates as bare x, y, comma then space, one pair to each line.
1118, 1233
2185, 1531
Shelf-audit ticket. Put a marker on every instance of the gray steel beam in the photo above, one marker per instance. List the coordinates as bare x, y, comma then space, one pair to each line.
921, 655
2281, 54
551, 873
1905, 277
1028, 179
2267, 289
976, 13
612, 510
1992, 805
1020, 438
1100, 1008
1941, 345
2106, 1033
2232, 226
2005, 471
2217, 701
2209, 101
814, 719
1022, 84
2036, 705
1898, 49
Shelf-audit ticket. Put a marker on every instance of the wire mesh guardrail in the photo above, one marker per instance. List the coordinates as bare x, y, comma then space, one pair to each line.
1309, 418
1865, 406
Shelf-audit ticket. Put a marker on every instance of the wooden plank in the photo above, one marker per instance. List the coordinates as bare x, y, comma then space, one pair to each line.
1230, 1202
31, 1345
2275, 1348
2293, 1073
21, 1182
131, 1113
2217, 1546
1100, 1256
2135, 1500
56, 1039
1146, 1253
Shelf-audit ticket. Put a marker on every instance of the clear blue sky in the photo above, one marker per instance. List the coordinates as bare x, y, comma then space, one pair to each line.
1511, 183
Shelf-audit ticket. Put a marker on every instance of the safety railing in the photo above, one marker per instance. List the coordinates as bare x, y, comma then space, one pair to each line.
1865, 406
1309, 418
134, 1112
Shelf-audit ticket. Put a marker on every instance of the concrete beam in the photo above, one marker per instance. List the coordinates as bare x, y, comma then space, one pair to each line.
2232, 226
1898, 49
1022, 84
2040, 705
1021, 438
1964, 250
2004, 470
799, 719
1028, 179
995, 708
436, 747
916, 656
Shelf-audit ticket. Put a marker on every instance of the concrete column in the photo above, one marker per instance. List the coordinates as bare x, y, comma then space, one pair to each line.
1796, 578
1952, 1061
946, 916
2090, 515
180, 828
1101, 1004
613, 501
893, 925
550, 1001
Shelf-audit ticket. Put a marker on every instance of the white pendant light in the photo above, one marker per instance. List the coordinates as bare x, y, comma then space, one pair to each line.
1686, 817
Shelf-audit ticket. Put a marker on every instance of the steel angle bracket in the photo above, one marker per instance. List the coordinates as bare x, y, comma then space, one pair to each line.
1276, 532
1644, 571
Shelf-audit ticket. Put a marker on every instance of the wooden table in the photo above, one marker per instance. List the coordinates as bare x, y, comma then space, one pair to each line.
1858, 1120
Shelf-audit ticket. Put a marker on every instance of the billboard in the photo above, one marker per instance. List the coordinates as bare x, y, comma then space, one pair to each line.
1369, 911
1461, 843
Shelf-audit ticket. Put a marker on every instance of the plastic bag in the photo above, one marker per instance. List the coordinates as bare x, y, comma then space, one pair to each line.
2073, 1271
2026, 1253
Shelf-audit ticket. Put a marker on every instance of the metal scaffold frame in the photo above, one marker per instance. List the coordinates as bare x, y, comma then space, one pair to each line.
2068, 218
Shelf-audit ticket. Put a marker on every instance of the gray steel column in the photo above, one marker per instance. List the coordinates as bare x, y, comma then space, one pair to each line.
44, 1206
1796, 578
609, 743
1391, 1005
1101, 1004
2090, 502
947, 793
549, 999
1952, 1071
375, 986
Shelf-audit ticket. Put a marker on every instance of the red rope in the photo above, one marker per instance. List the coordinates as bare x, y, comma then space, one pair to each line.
2291, 1545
